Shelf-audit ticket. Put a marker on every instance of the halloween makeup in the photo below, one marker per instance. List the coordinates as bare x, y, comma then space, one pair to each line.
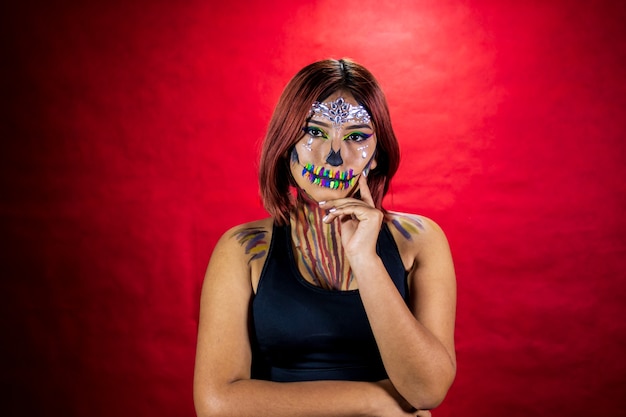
338, 145
340, 112
363, 154
319, 250
308, 144
318, 132
334, 157
408, 225
253, 239
329, 178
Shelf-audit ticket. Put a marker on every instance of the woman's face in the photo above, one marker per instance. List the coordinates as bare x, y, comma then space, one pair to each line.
338, 144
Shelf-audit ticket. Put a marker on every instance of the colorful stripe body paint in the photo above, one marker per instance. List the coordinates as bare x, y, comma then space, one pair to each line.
408, 225
254, 242
320, 251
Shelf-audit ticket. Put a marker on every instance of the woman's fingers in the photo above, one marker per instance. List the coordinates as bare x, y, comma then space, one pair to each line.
358, 209
335, 212
366, 195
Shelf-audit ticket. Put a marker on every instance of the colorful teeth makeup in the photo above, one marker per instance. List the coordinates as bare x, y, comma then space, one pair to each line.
329, 178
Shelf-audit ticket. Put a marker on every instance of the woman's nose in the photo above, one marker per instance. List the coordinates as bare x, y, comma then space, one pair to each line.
334, 158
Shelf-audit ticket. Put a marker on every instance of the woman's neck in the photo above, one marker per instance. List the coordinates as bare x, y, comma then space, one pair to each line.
321, 257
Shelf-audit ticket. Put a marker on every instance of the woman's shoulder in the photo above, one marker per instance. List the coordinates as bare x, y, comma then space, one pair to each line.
248, 240
262, 225
412, 233
411, 226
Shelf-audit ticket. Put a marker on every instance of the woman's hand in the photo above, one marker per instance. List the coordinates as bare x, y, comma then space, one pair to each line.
360, 221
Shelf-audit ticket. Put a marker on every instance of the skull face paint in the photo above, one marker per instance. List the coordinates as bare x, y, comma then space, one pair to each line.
338, 180
331, 155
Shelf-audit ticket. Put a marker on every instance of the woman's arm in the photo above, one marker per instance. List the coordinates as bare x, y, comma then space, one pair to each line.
416, 342
222, 384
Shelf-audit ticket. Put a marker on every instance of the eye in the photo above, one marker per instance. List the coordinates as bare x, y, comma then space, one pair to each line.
357, 136
314, 131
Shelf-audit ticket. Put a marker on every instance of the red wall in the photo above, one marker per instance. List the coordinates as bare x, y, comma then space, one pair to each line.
130, 134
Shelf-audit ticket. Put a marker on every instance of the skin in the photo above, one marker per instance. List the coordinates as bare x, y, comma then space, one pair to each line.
351, 139
416, 342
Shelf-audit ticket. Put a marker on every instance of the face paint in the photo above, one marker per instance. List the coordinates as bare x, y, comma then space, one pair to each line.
368, 167
338, 143
334, 157
294, 156
308, 144
363, 154
340, 112
329, 178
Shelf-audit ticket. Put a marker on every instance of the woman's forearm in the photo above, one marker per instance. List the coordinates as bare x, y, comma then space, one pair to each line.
418, 364
257, 398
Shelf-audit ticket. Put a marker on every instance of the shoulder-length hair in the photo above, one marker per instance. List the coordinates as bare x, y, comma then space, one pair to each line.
315, 82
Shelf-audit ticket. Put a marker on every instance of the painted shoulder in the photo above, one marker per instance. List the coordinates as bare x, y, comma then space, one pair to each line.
416, 237
251, 239
407, 226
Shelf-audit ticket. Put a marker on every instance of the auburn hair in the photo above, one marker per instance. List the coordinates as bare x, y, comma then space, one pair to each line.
315, 82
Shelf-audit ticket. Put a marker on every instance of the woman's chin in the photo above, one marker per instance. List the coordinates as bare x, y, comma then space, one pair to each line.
318, 194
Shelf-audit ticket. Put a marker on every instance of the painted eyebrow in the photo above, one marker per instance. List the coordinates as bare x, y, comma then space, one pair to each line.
358, 127
351, 127
319, 123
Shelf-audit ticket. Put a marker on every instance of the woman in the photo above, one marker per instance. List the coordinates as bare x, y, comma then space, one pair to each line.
332, 306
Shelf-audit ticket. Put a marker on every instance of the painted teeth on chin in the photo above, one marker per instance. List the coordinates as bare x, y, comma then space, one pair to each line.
328, 173
328, 183
327, 178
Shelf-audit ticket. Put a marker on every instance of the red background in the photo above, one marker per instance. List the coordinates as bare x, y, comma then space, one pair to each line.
130, 135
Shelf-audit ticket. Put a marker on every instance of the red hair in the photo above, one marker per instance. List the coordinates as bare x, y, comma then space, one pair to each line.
315, 82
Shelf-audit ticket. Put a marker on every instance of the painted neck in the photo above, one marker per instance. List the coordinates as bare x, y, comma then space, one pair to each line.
321, 257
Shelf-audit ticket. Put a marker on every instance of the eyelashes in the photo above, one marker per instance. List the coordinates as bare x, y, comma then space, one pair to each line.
357, 136
316, 132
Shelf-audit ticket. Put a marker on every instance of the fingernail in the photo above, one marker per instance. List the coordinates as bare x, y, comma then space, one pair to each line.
321, 203
332, 210
325, 218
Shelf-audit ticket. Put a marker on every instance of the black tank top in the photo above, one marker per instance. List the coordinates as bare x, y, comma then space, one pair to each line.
301, 332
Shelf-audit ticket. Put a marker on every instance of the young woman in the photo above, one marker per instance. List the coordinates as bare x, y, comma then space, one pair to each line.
333, 306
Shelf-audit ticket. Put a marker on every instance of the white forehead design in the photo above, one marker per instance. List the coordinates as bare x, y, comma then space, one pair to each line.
340, 112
